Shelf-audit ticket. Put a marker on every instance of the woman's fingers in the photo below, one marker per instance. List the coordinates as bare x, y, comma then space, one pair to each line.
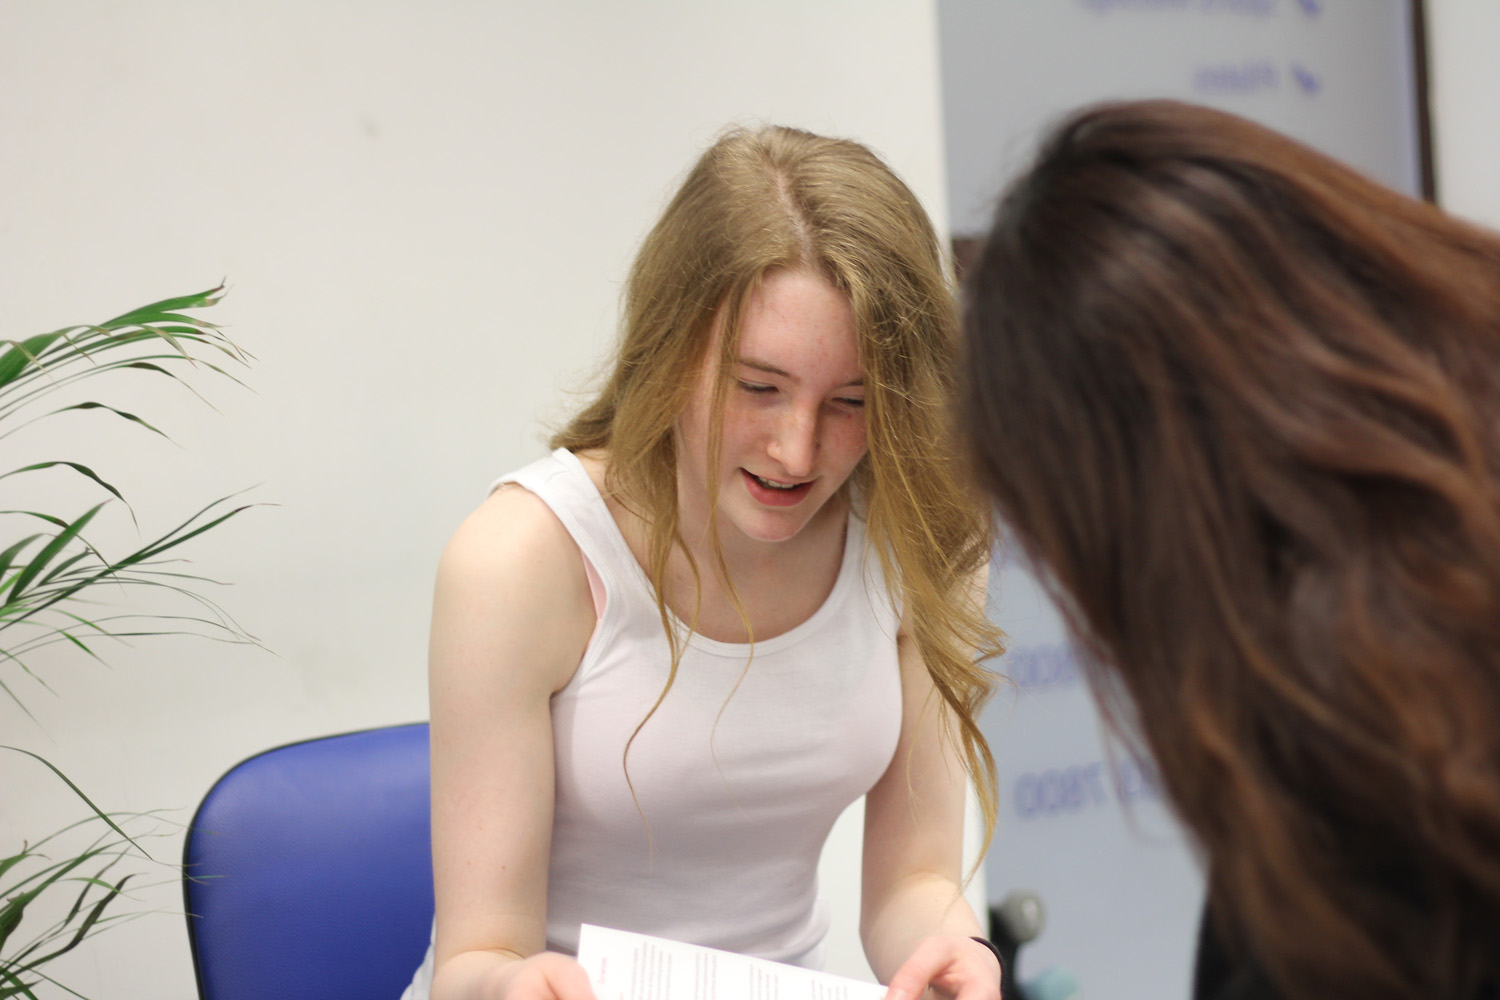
956, 967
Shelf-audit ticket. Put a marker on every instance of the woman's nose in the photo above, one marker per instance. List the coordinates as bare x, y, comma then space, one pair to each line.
794, 442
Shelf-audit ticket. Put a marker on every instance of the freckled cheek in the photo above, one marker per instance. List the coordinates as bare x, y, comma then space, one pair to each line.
746, 428
849, 441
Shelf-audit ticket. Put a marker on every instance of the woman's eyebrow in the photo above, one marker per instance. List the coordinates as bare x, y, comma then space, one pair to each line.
769, 369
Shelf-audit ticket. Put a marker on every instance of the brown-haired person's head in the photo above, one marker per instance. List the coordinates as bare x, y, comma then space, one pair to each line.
1241, 407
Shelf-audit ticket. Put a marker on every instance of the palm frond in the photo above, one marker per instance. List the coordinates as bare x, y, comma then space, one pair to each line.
54, 581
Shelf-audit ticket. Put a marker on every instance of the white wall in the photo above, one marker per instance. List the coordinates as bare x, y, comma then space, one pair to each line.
1464, 78
425, 209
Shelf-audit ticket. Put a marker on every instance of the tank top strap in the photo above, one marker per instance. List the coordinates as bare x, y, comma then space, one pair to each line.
564, 485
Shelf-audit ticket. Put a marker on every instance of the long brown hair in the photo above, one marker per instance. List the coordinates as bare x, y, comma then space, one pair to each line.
783, 199
1242, 407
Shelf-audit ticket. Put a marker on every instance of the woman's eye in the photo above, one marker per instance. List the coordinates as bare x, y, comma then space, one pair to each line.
859, 403
757, 388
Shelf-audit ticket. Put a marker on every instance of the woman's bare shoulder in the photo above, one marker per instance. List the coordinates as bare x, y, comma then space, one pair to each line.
513, 578
512, 519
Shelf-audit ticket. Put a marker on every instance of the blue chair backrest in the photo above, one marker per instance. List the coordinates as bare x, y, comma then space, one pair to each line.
308, 870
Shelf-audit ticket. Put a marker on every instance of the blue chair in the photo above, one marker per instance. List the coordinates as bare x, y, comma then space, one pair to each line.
308, 871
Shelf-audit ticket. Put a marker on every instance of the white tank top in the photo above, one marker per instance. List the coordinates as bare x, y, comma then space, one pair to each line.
740, 773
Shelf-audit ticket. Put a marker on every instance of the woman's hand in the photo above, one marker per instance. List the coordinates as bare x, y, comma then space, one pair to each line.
504, 975
544, 976
955, 966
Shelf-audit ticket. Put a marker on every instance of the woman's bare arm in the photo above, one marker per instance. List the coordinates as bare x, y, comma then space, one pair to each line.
916, 926
512, 616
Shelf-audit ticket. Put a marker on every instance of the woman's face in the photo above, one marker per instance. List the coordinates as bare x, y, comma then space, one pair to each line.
794, 419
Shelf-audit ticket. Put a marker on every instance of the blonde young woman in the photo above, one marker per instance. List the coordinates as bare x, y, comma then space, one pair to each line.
737, 596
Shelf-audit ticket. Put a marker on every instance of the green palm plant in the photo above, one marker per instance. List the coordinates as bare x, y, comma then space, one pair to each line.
52, 580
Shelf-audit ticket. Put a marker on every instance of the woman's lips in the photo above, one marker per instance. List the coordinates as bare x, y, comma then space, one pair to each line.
771, 496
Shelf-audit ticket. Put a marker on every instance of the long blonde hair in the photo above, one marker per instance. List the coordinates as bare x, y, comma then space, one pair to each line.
774, 199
